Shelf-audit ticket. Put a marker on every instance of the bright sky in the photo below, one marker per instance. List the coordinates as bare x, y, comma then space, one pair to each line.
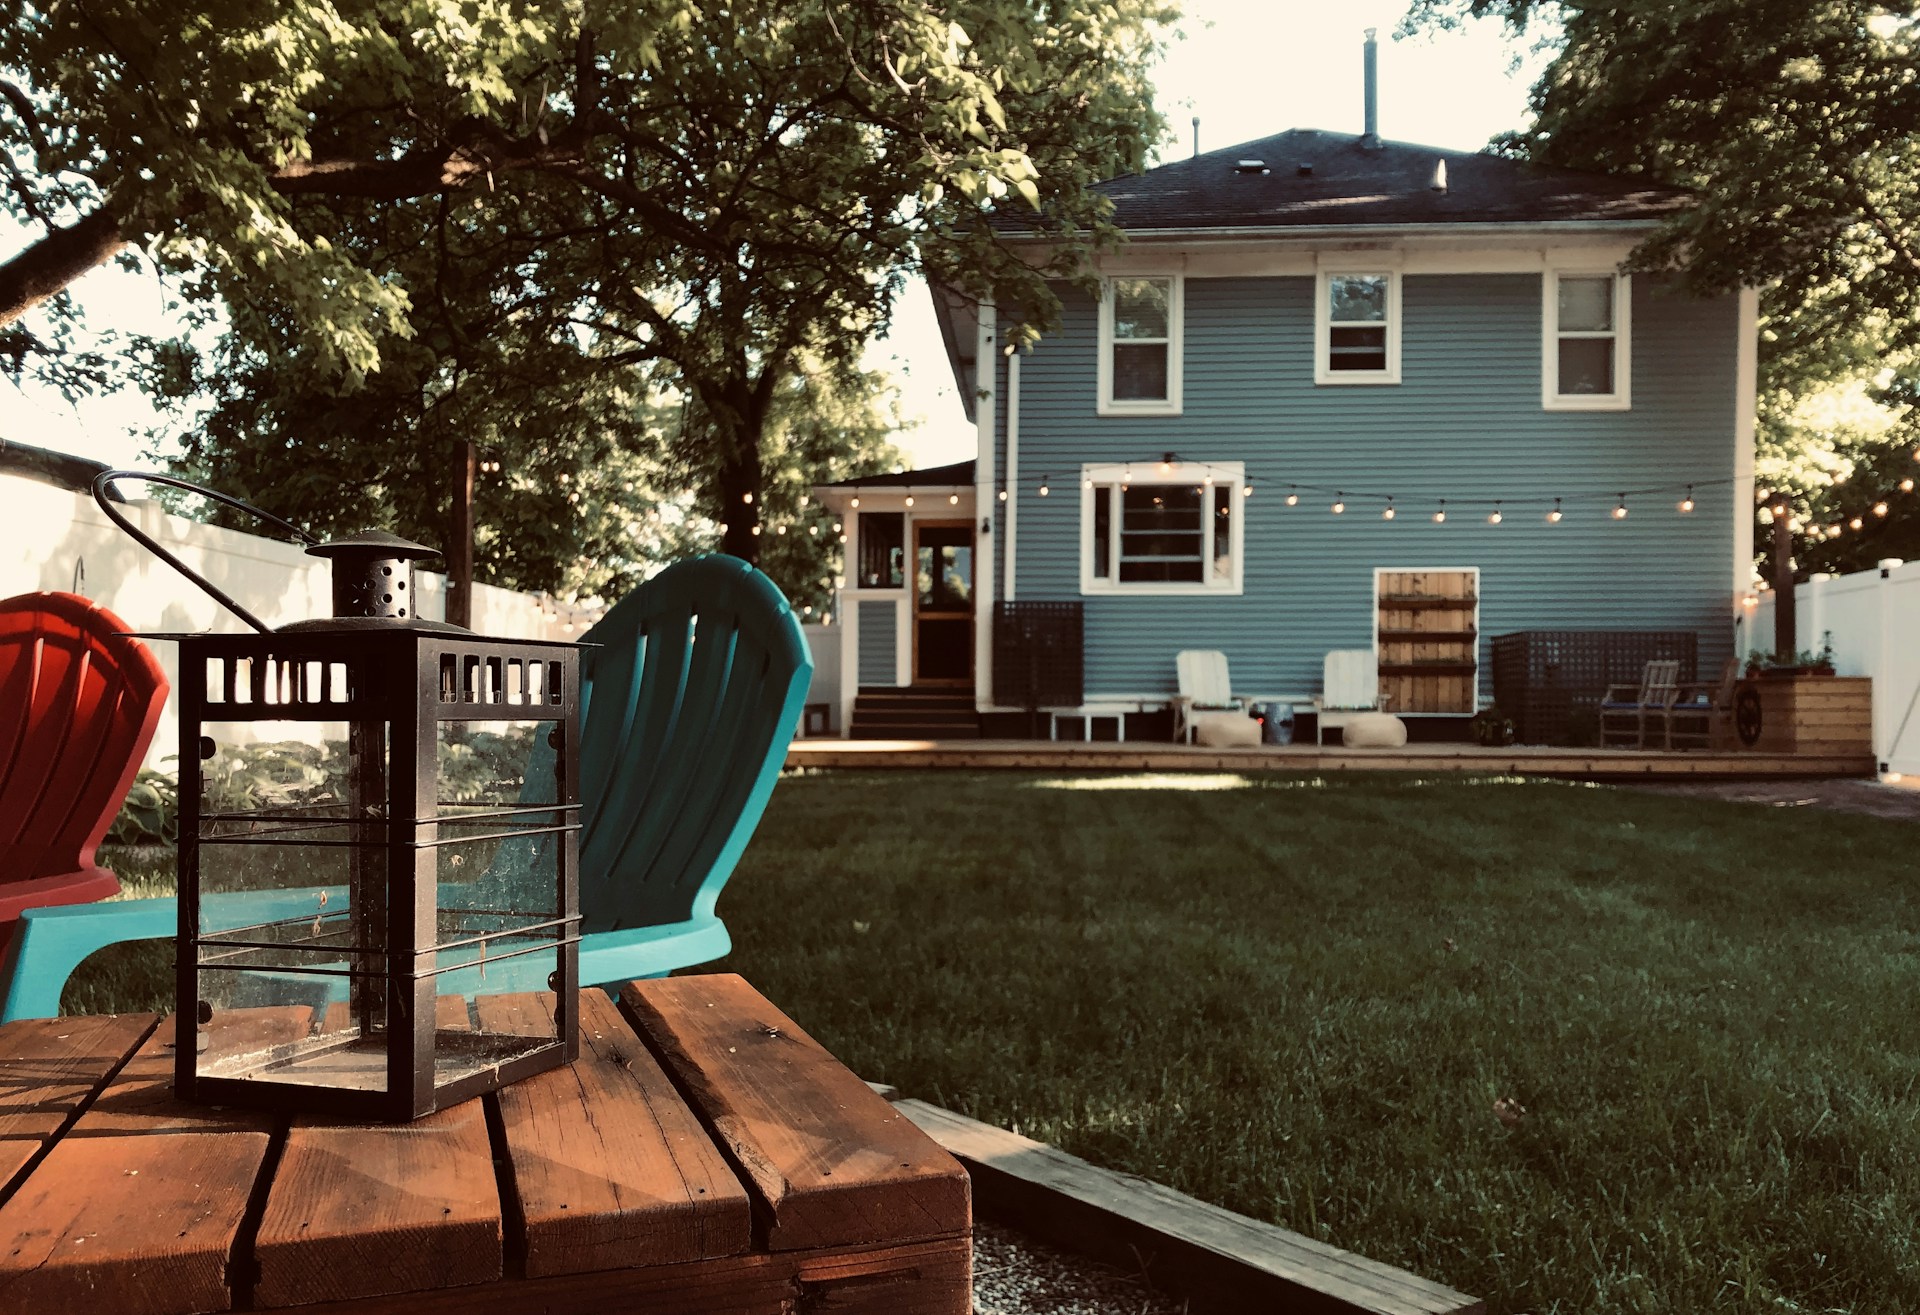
1246, 68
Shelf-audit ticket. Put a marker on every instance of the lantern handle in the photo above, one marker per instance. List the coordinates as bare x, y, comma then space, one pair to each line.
101, 487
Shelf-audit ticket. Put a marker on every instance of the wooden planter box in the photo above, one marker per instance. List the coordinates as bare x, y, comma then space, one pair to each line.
1808, 714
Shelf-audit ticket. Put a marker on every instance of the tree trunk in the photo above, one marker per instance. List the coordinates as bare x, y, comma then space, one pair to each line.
741, 496
49, 265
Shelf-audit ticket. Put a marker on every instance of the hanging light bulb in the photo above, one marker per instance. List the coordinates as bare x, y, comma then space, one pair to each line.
1293, 498
1620, 511
1553, 517
1126, 479
1686, 503
747, 498
1003, 495
909, 499
1387, 514
1855, 523
814, 530
1906, 486
1440, 515
953, 499
803, 499
756, 531
1834, 531
1208, 481
1044, 490
1339, 503
856, 502
1166, 464
1496, 517
779, 529
1879, 508
843, 538
1246, 490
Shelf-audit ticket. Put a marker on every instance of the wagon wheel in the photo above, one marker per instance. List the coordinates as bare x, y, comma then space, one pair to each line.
1746, 716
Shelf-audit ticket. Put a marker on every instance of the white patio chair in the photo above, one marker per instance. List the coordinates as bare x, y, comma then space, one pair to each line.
1204, 687
1350, 686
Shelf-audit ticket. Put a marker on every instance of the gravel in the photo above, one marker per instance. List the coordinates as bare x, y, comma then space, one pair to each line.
1015, 1275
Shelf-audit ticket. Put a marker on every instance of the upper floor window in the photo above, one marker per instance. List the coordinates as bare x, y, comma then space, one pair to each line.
1357, 328
1161, 528
1140, 332
1586, 359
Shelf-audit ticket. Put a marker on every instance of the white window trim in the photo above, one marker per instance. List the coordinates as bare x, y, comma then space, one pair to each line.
1621, 398
1231, 474
1176, 343
1323, 328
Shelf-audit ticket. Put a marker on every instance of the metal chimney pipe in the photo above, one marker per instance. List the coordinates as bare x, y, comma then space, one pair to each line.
1196, 134
1371, 138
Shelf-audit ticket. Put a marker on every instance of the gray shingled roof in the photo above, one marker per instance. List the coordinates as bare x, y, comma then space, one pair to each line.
1350, 184
960, 473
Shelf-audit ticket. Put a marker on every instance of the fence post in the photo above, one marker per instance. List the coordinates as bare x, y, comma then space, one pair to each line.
1785, 638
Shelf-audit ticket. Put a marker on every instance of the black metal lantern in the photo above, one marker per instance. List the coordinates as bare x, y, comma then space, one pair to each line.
378, 847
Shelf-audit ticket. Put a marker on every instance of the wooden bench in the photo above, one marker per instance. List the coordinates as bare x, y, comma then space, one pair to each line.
703, 1156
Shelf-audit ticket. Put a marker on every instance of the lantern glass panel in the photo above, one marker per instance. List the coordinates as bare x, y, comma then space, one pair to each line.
292, 912
500, 902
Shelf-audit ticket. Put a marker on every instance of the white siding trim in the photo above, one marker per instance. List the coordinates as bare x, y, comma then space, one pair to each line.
1746, 388
985, 508
903, 627
1010, 509
847, 604
1176, 350
1621, 398
1363, 265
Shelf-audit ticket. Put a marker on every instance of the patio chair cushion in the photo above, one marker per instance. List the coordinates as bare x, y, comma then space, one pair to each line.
1374, 730
1226, 730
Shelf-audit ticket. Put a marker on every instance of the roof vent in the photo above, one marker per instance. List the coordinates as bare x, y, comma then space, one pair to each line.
1304, 168
1439, 183
1251, 167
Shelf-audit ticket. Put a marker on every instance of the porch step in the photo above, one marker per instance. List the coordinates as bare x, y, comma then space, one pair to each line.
914, 713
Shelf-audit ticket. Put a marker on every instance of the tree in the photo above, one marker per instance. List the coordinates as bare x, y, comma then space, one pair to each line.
1797, 124
722, 192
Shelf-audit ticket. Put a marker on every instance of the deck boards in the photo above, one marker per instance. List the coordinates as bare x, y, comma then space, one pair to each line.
1135, 755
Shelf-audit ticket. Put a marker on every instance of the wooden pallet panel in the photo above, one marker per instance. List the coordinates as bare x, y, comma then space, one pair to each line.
609, 1166
830, 1162
364, 1211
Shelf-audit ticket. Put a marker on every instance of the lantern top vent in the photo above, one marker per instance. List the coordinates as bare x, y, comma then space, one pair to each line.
373, 545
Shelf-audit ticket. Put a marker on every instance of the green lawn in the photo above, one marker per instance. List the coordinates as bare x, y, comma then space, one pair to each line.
1300, 998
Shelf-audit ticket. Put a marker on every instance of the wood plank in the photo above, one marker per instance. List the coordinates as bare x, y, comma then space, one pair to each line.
133, 1225
364, 1211
610, 1167
1220, 1260
917, 1278
831, 1164
48, 1068
141, 1101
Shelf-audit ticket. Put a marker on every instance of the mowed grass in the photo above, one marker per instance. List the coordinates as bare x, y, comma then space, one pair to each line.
1300, 998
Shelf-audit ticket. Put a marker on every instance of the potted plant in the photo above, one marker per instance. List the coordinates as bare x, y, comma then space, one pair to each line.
1804, 663
1492, 728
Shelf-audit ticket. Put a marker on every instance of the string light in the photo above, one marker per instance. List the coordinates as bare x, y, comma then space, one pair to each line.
856, 502
1686, 503
1166, 464
1855, 523
1553, 517
1293, 498
1496, 517
909, 499
1246, 491
1620, 512
1879, 508
1906, 486
1339, 503
1440, 516
1387, 514
756, 531
1044, 490
814, 530
747, 498
1003, 495
1126, 479
953, 499
779, 529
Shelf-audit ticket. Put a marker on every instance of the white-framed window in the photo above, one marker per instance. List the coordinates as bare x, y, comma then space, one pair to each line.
1159, 527
1356, 321
1586, 353
1140, 344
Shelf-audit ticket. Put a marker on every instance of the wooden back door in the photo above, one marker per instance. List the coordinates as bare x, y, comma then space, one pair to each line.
1427, 636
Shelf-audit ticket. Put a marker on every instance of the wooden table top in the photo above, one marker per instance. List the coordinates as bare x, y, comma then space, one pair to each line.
703, 1155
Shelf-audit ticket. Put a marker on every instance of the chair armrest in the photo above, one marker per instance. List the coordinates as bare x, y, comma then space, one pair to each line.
1621, 694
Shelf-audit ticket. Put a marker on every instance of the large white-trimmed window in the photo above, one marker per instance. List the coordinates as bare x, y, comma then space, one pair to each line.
1140, 345
1586, 353
1356, 322
1162, 528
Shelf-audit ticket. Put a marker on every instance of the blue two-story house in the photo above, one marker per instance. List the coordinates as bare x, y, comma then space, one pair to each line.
1334, 393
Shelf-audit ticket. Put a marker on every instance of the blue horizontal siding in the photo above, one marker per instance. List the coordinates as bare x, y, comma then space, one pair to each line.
878, 642
1465, 422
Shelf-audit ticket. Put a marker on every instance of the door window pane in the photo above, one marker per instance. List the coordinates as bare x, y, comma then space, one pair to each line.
882, 549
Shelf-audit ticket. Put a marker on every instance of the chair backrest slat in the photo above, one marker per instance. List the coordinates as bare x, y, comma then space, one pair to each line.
1657, 682
1203, 675
79, 701
1350, 678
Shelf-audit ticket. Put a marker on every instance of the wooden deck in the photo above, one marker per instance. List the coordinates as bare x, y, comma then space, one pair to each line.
1135, 756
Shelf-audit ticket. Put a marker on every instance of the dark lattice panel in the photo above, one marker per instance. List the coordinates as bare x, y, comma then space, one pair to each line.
1549, 680
1037, 652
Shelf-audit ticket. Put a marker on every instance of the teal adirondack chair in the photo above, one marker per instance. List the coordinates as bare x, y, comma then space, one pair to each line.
689, 698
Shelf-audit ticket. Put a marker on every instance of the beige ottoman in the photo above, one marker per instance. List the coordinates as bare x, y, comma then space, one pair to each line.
1374, 730
1226, 730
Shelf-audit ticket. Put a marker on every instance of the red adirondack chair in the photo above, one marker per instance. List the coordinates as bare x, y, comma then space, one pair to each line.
79, 700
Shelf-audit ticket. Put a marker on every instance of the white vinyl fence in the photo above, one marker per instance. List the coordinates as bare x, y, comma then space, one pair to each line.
1872, 620
53, 539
